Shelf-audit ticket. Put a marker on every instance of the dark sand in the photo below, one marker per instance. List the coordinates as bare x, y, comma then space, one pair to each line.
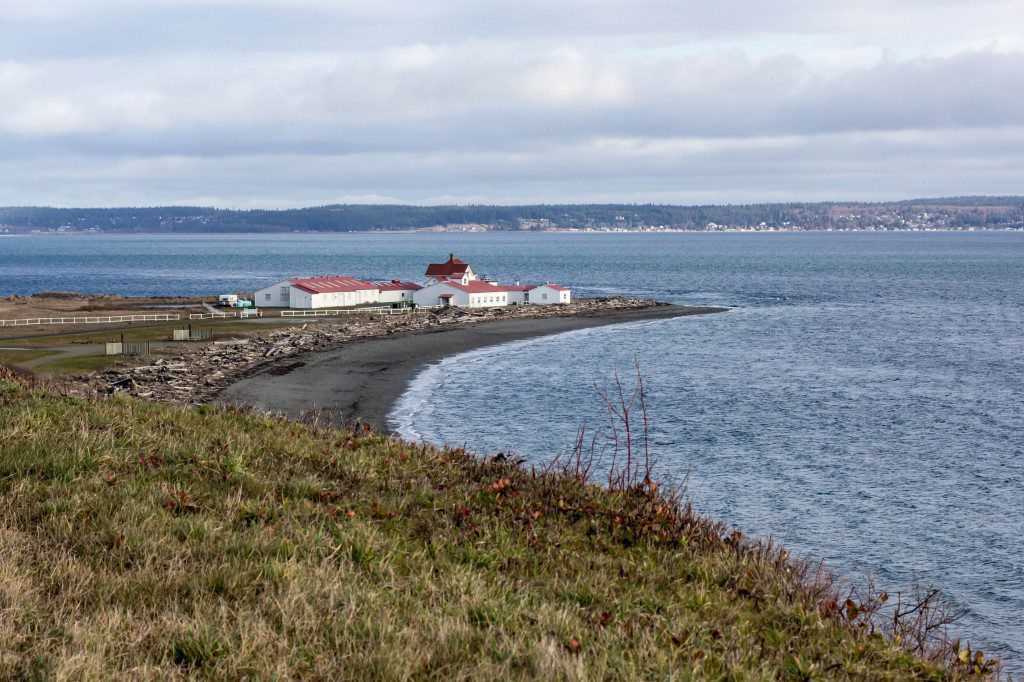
363, 380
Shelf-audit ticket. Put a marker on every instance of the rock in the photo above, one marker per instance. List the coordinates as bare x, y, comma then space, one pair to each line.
197, 375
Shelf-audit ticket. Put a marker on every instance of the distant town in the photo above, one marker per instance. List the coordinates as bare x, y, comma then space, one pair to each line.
954, 213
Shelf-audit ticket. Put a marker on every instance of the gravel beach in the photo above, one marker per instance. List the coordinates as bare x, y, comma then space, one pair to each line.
363, 380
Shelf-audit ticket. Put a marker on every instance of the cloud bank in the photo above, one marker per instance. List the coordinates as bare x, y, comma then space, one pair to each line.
292, 102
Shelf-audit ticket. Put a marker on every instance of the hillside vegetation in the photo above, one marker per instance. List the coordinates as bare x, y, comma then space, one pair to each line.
947, 213
138, 538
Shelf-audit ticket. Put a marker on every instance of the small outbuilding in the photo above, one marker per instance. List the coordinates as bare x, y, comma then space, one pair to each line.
396, 292
547, 294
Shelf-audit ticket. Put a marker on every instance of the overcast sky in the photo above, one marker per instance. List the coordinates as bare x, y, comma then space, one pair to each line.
279, 103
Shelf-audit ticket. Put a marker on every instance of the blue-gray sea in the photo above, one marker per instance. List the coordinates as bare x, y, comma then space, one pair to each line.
863, 401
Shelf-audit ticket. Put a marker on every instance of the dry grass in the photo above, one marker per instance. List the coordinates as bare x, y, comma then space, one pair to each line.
141, 540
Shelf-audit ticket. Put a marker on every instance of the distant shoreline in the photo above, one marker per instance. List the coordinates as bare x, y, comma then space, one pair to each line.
364, 380
980, 230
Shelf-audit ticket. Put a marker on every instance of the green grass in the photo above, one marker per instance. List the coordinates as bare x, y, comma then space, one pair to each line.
79, 364
152, 332
142, 540
17, 357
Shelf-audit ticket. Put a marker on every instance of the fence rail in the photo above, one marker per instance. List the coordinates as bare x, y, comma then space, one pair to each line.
212, 316
379, 310
35, 321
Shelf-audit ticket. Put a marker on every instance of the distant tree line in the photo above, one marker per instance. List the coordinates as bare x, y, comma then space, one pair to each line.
953, 212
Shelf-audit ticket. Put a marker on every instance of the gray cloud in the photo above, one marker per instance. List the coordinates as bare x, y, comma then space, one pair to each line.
307, 101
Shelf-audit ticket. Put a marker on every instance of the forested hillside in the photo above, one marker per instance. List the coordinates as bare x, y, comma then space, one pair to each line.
951, 213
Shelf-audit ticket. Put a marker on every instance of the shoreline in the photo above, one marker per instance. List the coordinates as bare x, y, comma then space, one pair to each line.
363, 380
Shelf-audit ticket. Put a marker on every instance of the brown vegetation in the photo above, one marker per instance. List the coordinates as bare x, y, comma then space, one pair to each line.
147, 540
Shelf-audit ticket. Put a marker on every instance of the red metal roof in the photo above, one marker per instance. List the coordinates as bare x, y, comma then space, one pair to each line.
475, 286
553, 286
397, 285
330, 285
453, 266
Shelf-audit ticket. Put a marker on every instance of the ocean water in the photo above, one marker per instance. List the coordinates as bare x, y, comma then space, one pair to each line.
862, 401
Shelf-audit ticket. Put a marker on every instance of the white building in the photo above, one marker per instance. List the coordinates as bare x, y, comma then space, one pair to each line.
317, 292
518, 295
546, 294
538, 294
396, 292
454, 269
473, 294
453, 283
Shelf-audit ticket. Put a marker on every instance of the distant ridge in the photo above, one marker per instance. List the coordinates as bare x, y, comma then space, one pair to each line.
955, 213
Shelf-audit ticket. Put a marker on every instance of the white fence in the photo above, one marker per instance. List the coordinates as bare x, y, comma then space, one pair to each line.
212, 316
380, 310
32, 322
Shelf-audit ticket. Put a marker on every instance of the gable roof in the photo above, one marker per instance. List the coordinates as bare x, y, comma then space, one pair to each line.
551, 286
330, 285
475, 286
453, 266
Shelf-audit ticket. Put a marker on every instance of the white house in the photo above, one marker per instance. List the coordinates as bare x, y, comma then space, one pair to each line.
396, 292
546, 294
473, 294
453, 269
537, 294
317, 292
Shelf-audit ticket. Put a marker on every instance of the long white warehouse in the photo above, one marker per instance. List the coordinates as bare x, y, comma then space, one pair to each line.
317, 292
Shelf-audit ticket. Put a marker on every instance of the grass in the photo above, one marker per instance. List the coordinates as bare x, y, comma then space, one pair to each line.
80, 364
139, 539
16, 357
145, 332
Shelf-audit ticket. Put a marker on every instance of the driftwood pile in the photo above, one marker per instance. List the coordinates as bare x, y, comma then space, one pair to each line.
198, 375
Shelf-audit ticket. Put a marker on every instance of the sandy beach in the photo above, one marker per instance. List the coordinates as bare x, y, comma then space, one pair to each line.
363, 380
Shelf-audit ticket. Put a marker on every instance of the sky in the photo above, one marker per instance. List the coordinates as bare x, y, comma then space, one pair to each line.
283, 103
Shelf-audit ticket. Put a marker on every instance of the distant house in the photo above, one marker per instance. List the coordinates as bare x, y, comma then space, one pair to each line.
453, 269
545, 294
396, 292
537, 294
317, 292
472, 294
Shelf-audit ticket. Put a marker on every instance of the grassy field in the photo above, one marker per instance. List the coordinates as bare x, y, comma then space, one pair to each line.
15, 357
148, 332
142, 540
80, 364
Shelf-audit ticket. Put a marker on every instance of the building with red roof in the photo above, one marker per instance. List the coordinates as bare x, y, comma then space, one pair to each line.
487, 294
452, 283
317, 292
452, 269
396, 291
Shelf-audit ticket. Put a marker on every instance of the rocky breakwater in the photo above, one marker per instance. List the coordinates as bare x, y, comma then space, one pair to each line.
198, 374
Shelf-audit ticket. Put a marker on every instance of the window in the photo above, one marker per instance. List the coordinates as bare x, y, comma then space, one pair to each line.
266, 297
544, 296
